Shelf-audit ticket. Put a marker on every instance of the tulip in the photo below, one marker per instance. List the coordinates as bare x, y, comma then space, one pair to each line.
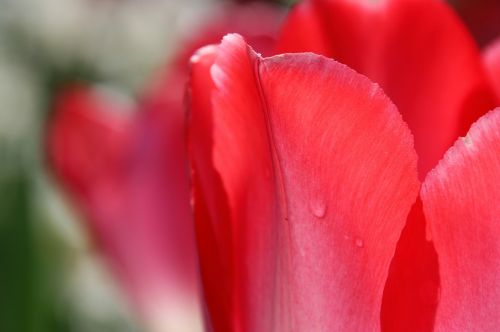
125, 167
301, 201
312, 210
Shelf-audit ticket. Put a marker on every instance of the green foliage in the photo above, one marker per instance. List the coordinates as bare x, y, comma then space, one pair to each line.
27, 303
17, 259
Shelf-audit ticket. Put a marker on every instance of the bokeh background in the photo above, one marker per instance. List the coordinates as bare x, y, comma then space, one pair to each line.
51, 276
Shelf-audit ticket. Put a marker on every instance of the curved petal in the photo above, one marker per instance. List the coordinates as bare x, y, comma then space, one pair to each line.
460, 198
491, 57
213, 226
417, 50
316, 172
127, 175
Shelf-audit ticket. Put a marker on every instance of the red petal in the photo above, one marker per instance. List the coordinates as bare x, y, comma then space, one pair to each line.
213, 227
492, 60
127, 174
460, 198
416, 50
319, 174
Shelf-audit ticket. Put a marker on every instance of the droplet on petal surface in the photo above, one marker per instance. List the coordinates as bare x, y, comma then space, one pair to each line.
318, 209
359, 243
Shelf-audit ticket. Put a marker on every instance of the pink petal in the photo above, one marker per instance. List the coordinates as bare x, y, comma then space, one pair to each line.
461, 202
213, 227
313, 176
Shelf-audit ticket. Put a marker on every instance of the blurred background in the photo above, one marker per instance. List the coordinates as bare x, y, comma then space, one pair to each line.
51, 277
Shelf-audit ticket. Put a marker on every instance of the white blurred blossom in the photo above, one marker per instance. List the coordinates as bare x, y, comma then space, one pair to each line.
125, 40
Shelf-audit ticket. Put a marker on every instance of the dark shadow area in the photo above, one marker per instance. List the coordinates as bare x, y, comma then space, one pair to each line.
412, 289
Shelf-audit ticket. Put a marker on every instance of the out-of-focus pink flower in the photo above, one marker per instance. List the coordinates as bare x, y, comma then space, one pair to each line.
126, 173
308, 206
125, 168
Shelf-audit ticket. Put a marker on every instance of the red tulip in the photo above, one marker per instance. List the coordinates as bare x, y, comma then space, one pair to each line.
302, 199
308, 208
125, 167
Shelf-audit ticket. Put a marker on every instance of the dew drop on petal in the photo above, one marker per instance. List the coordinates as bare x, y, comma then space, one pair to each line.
359, 243
318, 209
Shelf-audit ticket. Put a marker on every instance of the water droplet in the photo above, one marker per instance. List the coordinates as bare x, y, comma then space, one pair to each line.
318, 209
359, 243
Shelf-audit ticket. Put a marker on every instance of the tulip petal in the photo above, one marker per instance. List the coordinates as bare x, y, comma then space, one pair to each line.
213, 227
492, 60
460, 198
314, 174
127, 173
425, 61
417, 50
